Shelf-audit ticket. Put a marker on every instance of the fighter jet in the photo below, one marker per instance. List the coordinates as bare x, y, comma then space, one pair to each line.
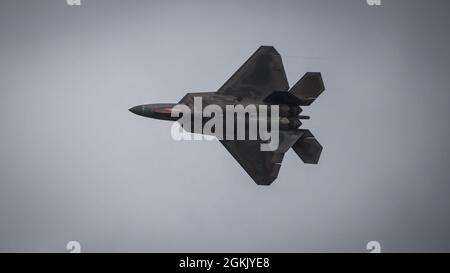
261, 80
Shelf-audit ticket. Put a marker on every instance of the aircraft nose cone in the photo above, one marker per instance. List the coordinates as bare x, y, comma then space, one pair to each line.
156, 110
137, 110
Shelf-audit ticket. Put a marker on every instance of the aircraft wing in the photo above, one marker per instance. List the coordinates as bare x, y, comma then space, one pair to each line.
259, 76
262, 166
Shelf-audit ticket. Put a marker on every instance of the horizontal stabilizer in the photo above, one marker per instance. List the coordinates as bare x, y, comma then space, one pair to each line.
308, 148
308, 88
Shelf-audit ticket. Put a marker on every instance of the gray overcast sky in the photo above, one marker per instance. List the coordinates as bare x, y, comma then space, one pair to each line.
76, 165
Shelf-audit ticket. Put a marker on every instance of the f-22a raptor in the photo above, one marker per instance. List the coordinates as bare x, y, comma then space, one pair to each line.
261, 80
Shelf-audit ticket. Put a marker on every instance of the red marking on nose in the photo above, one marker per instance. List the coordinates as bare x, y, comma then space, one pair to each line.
165, 110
